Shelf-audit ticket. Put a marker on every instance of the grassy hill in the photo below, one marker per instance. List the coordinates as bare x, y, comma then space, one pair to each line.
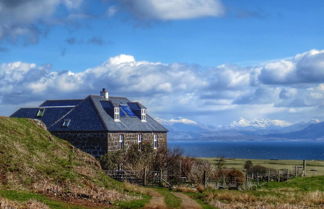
33, 160
298, 193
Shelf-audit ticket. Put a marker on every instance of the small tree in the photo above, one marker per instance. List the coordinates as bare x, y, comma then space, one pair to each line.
248, 165
259, 170
220, 163
236, 176
112, 160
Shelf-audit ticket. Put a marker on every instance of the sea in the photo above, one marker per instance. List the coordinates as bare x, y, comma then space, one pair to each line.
291, 150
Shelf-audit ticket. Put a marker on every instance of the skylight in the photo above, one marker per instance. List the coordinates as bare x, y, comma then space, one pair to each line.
66, 122
41, 112
127, 110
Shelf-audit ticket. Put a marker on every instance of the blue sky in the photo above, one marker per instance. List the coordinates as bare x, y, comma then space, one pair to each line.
220, 57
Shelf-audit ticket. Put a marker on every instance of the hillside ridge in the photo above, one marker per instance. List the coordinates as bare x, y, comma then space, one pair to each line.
31, 159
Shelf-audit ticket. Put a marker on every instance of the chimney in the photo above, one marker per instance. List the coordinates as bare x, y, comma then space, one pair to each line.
104, 94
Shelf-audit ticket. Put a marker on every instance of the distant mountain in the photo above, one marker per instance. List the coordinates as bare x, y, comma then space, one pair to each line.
258, 130
312, 131
264, 123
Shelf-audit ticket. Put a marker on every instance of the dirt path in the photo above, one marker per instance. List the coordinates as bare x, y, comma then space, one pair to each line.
157, 201
187, 202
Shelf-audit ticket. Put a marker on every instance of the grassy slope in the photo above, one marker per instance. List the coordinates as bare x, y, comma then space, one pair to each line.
314, 167
31, 159
315, 183
298, 193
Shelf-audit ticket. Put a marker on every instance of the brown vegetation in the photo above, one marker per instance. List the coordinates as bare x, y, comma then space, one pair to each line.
31, 159
31, 204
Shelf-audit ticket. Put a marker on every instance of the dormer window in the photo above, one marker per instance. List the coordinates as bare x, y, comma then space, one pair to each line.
143, 115
40, 112
66, 122
116, 114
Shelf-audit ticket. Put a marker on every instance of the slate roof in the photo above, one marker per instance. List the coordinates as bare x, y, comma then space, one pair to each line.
92, 114
68, 102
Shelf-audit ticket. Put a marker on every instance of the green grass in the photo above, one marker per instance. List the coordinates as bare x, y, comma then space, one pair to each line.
171, 200
23, 196
133, 204
30, 154
303, 184
313, 168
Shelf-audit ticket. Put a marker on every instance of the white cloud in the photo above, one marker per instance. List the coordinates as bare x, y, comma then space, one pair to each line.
123, 58
304, 68
173, 10
219, 95
177, 120
111, 11
19, 18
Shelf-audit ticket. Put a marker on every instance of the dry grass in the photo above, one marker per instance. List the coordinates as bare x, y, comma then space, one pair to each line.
31, 204
276, 199
34, 160
184, 189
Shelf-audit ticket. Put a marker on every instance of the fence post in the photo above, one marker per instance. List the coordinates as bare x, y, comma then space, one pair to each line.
304, 167
205, 179
295, 170
145, 177
268, 175
246, 180
278, 175
161, 177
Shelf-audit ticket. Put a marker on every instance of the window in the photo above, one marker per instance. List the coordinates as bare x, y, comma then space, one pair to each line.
66, 122
139, 141
155, 142
121, 141
143, 115
40, 112
127, 110
116, 114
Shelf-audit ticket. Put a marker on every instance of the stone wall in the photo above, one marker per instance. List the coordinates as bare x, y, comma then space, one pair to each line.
94, 143
98, 143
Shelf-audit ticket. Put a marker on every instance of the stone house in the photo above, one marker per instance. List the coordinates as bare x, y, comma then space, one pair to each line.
99, 123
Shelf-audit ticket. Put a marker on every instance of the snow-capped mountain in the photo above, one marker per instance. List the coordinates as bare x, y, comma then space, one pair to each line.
243, 129
263, 123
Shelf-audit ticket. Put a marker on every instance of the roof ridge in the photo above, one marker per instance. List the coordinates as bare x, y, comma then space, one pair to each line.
62, 100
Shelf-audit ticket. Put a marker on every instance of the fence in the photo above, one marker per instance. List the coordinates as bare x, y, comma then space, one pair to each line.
142, 177
161, 178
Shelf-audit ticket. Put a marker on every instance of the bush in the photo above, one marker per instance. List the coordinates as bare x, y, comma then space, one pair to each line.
248, 165
170, 161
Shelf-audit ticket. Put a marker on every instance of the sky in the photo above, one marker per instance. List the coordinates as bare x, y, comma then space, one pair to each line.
213, 62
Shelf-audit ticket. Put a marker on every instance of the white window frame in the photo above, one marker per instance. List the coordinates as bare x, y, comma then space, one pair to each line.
121, 141
139, 141
143, 115
40, 112
155, 142
66, 122
116, 114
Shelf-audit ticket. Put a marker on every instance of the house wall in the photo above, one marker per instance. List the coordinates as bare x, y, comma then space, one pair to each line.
99, 143
132, 138
94, 143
